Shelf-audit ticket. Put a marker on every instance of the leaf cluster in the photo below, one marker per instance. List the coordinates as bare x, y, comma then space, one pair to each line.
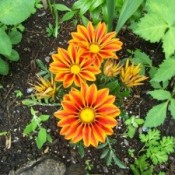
132, 124
156, 148
158, 24
156, 115
154, 152
35, 126
13, 13
108, 153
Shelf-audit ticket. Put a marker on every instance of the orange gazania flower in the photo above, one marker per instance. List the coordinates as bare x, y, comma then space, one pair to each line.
96, 43
111, 68
88, 115
70, 67
130, 75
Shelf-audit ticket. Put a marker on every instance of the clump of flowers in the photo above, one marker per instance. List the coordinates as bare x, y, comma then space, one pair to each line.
45, 89
130, 75
88, 114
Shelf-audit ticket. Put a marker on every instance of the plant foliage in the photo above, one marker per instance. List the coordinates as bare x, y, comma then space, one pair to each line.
155, 151
158, 24
12, 14
35, 126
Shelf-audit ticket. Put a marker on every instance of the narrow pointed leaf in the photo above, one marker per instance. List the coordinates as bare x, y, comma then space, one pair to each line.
129, 7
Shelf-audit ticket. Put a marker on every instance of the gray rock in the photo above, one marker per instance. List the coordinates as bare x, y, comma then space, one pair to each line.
41, 167
76, 169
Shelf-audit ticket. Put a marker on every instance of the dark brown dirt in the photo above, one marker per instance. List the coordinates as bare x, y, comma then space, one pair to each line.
14, 116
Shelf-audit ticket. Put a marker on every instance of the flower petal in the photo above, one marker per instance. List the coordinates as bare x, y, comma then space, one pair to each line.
91, 95
67, 121
87, 135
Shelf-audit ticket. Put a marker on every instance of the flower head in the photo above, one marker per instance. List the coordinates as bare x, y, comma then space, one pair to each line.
130, 75
88, 115
111, 68
70, 67
96, 43
45, 88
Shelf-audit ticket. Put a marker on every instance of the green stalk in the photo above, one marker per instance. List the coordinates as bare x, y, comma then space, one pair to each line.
110, 11
50, 6
56, 22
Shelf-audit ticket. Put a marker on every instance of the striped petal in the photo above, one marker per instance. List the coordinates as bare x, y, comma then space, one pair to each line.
87, 135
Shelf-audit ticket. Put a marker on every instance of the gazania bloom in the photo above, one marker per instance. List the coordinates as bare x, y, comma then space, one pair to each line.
96, 43
70, 67
45, 88
130, 75
111, 68
88, 115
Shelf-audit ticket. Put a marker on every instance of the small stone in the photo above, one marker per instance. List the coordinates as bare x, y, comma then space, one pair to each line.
126, 142
41, 167
47, 59
105, 169
76, 169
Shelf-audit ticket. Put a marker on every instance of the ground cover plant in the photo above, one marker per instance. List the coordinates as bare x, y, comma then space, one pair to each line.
97, 95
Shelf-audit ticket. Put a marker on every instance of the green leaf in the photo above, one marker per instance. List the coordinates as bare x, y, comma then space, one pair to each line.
28, 102
161, 173
67, 16
15, 12
84, 20
61, 7
164, 8
151, 28
77, 4
172, 107
156, 155
49, 138
151, 138
102, 145
160, 94
96, 4
109, 158
41, 138
44, 117
156, 115
169, 42
28, 129
104, 153
141, 57
14, 56
167, 144
131, 131
96, 15
165, 71
128, 8
85, 6
110, 9
118, 162
4, 67
139, 121
105, 13
158, 24
15, 36
81, 150
5, 43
